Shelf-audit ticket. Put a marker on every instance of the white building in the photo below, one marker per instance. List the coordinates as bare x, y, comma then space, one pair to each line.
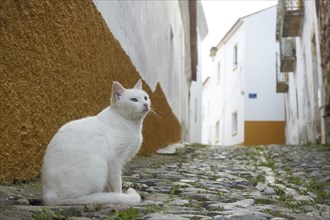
208, 126
160, 39
298, 34
240, 103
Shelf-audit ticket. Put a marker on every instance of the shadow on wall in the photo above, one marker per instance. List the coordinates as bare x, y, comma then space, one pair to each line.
57, 63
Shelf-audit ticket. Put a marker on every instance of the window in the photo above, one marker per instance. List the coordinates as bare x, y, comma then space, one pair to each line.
235, 59
218, 72
234, 123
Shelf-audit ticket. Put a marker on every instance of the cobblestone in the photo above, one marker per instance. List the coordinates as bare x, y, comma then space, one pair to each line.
205, 182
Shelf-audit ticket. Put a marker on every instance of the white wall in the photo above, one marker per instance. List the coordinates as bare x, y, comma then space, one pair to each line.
291, 112
195, 102
195, 105
233, 87
207, 124
260, 68
152, 34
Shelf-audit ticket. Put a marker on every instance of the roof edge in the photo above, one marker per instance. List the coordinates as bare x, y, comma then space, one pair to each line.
237, 24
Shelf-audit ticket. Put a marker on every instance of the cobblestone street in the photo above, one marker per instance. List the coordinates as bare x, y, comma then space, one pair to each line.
205, 182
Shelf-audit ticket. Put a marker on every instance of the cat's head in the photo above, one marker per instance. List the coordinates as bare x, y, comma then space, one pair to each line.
133, 103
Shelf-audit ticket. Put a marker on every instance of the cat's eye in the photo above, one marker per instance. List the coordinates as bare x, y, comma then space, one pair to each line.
134, 100
145, 98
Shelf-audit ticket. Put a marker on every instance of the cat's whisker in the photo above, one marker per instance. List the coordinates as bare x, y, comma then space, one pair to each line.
155, 113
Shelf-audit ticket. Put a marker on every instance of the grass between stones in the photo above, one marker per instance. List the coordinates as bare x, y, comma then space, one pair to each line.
48, 214
128, 214
277, 213
260, 178
317, 187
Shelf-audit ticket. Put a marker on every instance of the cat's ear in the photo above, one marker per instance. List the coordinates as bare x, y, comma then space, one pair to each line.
117, 91
138, 84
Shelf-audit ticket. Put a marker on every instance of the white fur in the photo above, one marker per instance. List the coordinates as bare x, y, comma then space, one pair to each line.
84, 160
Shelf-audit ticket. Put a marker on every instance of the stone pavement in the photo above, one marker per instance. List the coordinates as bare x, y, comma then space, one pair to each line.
204, 182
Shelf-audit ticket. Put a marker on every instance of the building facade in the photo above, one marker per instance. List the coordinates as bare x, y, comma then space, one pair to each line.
243, 106
196, 88
298, 33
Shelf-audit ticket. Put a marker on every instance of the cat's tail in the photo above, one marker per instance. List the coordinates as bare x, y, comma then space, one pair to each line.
130, 198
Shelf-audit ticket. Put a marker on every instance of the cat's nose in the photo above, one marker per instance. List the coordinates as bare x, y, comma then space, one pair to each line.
146, 105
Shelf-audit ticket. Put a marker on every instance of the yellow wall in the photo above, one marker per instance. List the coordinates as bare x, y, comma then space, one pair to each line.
58, 60
264, 132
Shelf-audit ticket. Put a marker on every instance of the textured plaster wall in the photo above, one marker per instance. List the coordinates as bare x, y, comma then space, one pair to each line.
57, 63
324, 21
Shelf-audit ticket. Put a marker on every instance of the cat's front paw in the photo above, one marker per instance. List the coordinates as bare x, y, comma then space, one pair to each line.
134, 195
131, 191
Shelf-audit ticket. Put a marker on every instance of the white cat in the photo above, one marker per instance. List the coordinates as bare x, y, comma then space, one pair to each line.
84, 160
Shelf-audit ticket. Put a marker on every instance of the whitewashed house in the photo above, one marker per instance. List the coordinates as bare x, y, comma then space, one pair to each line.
300, 67
240, 100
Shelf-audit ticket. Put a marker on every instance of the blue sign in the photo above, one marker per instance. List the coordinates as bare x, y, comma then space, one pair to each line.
252, 95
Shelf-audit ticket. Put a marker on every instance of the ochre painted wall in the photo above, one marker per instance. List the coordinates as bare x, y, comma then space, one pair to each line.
264, 132
57, 63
